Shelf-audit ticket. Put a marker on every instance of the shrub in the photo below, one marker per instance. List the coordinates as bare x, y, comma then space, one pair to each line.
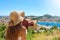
2, 27
42, 28
2, 34
2, 30
54, 27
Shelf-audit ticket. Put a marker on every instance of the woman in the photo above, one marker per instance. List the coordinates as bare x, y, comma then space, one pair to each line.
15, 30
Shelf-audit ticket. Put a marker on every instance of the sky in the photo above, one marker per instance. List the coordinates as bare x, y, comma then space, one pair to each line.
30, 7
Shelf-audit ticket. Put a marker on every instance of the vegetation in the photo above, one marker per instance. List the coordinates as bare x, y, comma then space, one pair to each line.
2, 31
50, 34
54, 27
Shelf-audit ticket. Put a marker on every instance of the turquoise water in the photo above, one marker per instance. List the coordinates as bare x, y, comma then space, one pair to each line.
49, 23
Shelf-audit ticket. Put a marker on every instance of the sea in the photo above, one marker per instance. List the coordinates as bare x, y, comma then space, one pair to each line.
49, 23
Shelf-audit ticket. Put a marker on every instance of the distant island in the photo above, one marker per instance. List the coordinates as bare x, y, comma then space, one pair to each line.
45, 17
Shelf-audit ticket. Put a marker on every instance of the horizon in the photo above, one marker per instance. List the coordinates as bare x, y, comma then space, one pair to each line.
30, 7
33, 15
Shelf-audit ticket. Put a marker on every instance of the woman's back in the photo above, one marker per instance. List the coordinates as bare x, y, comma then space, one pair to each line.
14, 32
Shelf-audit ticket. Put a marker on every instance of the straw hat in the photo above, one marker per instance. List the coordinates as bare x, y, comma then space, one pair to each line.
22, 13
14, 16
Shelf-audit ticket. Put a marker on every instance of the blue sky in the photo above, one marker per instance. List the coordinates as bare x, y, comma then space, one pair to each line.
31, 7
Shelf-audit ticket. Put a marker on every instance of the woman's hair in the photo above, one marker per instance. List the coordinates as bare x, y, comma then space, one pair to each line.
13, 31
